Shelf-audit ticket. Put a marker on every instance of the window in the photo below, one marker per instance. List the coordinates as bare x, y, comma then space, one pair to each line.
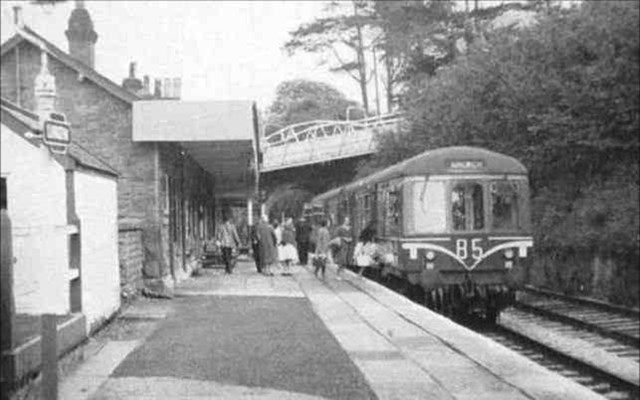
392, 212
365, 204
429, 207
504, 205
343, 210
467, 208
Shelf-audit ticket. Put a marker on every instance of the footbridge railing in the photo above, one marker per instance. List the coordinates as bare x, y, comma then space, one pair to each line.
321, 141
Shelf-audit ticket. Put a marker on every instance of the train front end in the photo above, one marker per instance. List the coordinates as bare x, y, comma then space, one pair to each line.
467, 239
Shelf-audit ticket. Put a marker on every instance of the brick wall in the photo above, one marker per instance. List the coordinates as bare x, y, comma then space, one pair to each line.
102, 124
131, 256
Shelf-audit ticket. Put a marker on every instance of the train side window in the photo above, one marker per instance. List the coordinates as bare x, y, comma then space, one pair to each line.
467, 207
504, 205
392, 212
365, 203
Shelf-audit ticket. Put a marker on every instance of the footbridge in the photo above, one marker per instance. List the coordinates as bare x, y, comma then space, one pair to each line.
321, 141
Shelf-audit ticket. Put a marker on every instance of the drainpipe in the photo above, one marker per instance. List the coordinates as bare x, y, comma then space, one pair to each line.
18, 23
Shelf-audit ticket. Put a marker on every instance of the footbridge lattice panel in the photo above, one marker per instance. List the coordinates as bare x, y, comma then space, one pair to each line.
321, 141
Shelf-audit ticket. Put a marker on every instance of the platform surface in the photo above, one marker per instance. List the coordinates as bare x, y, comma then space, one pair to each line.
249, 336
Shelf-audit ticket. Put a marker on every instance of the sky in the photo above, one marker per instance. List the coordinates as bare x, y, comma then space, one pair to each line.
222, 50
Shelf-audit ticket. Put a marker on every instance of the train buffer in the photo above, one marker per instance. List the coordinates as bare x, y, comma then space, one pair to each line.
247, 335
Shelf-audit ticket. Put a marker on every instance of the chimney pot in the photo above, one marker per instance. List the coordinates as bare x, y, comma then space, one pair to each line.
17, 16
177, 87
132, 69
145, 84
157, 92
167, 92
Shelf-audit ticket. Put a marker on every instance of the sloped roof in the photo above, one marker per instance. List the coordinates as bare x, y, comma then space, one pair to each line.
29, 35
29, 122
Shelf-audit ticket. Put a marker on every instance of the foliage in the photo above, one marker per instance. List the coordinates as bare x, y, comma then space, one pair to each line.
303, 100
345, 30
47, 2
563, 96
287, 199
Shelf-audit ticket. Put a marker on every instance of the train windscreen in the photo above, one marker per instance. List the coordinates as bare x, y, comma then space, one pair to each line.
429, 204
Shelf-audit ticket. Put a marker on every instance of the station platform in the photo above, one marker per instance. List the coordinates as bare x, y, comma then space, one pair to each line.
249, 336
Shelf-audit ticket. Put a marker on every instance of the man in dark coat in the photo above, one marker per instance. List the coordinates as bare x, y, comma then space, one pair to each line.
255, 246
303, 237
268, 252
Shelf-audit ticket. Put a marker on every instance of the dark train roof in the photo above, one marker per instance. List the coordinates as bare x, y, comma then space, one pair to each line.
462, 160
326, 195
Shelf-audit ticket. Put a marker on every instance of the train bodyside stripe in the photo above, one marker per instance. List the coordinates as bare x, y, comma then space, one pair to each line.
522, 246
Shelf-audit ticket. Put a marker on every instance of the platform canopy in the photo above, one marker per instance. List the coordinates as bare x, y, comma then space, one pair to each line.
221, 136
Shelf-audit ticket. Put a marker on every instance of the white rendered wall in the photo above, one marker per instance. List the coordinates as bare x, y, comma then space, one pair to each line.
97, 208
37, 207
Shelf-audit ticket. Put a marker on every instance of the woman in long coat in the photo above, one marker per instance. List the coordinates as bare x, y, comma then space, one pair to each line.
266, 245
342, 248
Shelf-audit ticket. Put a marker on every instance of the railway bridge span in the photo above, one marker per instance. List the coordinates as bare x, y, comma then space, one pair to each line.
322, 153
322, 141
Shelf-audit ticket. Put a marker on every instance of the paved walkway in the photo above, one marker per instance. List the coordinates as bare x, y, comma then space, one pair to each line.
247, 336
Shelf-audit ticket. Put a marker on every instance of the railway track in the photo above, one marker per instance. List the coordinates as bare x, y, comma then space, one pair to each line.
592, 378
613, 332
621, 324
603, 327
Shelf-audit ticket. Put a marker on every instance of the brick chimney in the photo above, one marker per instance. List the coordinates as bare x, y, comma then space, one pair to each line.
132, 84
81, 35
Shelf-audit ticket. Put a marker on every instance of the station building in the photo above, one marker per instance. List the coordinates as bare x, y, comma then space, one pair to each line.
179, 163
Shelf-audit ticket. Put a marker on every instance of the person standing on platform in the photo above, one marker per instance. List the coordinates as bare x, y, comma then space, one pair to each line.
341, 246
267, 250
287, 250
303, 237
366, 251
321, 255
255, 246
229, 242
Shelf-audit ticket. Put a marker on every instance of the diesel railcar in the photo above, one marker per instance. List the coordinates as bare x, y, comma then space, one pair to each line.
452, 225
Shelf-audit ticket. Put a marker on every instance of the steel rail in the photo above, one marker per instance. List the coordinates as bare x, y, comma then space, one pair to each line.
592, 323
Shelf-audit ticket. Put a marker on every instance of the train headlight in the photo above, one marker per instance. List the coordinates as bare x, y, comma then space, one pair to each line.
431, 255
508, 254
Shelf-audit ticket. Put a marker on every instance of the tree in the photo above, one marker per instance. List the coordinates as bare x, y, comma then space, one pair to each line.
344, 31
287, 200
303, 100
47, 2
563, 96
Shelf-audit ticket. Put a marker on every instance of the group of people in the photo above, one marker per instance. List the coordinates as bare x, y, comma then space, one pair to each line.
287, 244
340, 248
